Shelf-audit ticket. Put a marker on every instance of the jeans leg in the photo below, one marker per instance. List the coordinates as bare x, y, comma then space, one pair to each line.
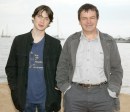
30, 107
41, 107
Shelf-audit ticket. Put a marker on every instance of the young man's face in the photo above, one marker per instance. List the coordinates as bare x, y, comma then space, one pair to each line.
41, 21
88, 20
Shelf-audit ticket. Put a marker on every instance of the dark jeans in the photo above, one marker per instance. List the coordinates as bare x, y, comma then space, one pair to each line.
31, 107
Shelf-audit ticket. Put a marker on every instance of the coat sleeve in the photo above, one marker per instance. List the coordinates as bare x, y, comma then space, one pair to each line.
115, 69
11, 72
57, 60
63, 68
11, 67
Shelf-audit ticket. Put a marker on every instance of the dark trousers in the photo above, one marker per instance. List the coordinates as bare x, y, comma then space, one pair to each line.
83, 99
31, 107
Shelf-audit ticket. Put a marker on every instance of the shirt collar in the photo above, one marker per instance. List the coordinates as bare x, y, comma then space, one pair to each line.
84, 37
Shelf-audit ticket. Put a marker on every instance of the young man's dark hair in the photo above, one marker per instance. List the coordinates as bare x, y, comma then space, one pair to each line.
42, 8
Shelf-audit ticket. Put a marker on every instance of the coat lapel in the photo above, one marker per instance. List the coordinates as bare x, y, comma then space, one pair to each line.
74, 47
106, 49
46, 49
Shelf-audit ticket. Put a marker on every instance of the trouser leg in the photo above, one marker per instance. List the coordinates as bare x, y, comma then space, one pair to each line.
81, 99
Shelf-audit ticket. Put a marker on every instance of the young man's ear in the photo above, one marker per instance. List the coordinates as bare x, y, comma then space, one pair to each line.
32, 20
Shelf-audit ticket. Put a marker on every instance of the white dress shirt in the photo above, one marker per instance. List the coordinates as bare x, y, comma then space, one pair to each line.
89, 62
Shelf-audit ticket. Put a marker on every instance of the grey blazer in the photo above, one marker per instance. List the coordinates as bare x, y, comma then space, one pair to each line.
112, 62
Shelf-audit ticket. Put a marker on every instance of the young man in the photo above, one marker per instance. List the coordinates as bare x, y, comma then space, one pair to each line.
89, 71
31, 67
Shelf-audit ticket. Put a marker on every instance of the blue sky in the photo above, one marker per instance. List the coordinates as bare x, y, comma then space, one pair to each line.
16, 16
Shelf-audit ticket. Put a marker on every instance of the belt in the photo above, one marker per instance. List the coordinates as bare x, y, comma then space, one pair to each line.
90, 85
